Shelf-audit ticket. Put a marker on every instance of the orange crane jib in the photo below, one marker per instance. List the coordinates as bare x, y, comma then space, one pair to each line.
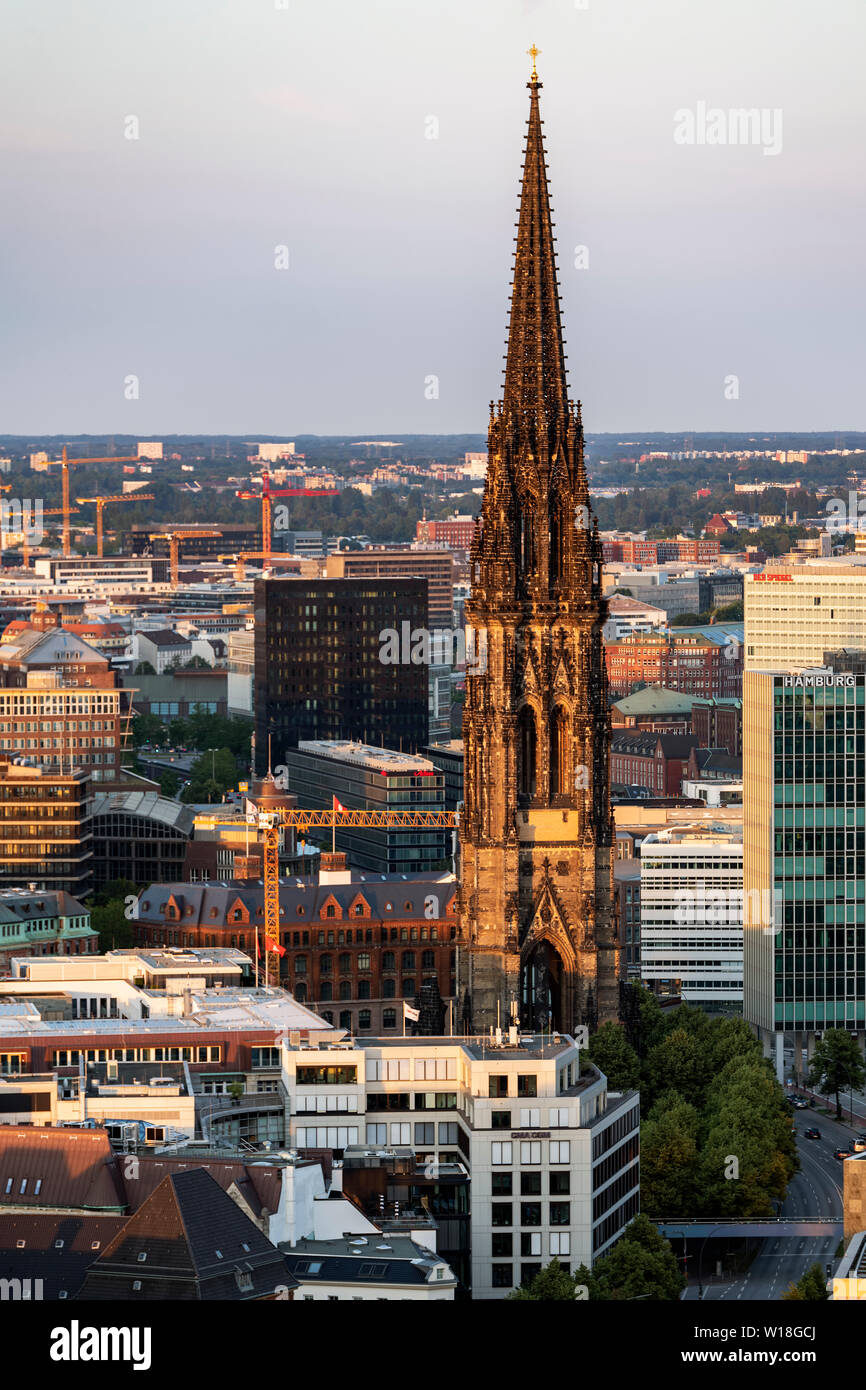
67, 463
100, 507
270, 823
174, 538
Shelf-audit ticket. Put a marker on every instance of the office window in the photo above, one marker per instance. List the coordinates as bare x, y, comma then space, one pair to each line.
530, 1119
530, 1213
530, 1243
560, 1150
501, 1184
530, 1153
501, 1154
560, 1184
500, 1119
425, 1133
503, 1243
502, 1277
530, 1184
558, 1119
500, 1214
560, 1214
527, 1085
528, 1273
377, 1134
560, 1243
497, 1086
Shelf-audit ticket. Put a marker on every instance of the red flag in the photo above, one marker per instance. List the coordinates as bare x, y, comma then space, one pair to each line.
338, 806
275, 946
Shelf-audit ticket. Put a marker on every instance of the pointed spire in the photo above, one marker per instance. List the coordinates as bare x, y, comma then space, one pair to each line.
535, 377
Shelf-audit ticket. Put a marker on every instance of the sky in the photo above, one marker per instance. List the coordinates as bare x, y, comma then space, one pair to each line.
281, 217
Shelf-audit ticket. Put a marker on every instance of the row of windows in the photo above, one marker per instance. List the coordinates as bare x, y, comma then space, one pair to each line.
557, 1118
69, 1057
502, 1152
558, 1184
531, 1214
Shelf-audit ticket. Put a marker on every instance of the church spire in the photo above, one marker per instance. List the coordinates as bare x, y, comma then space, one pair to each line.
535, 376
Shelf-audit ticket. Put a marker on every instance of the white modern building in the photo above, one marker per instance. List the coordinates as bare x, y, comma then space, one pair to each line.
551, 1154
691, 926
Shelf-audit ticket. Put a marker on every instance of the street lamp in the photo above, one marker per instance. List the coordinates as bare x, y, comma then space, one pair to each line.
711, 1232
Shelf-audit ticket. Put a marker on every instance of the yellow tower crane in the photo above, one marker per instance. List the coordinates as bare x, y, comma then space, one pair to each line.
174, 538
100, 508
269, 824
25, 544
65, 464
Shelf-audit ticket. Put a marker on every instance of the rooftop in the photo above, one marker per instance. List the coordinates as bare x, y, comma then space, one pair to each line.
383, 760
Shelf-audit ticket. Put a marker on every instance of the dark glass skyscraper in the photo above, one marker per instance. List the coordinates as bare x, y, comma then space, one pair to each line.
319, 667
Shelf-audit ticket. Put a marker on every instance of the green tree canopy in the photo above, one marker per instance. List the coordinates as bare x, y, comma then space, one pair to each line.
837, 1065
609, 1050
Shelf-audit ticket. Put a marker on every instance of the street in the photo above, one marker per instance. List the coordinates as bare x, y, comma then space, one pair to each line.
815, 1192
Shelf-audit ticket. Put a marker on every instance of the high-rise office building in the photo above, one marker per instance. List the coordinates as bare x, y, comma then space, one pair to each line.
374, 779
794, 614
45, 839
538, 926
804, 846
691, 915
323, 667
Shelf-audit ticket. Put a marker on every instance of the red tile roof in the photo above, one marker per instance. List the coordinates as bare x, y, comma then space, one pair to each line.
62, 1168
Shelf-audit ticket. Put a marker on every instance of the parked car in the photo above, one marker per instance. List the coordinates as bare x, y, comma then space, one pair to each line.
812, 1133
799, 1103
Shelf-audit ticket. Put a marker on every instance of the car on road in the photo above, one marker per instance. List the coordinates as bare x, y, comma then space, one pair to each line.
799, 1103
811, 1133
842, 1152
859, 1144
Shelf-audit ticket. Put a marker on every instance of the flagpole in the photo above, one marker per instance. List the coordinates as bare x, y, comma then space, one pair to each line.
404, 1018
257, 955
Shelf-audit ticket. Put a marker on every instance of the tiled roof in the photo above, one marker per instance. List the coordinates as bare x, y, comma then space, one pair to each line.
388, 896
57, 1248
188, 1240
58, 1168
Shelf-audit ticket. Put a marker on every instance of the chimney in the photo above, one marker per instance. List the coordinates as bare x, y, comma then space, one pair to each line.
334, 868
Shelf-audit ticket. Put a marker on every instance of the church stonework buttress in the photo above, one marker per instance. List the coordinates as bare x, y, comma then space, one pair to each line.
538, 930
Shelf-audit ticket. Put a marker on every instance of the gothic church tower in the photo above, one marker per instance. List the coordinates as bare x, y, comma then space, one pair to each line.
537, 917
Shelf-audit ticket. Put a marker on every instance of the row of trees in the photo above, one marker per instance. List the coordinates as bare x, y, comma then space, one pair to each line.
640, 1265
716, 1137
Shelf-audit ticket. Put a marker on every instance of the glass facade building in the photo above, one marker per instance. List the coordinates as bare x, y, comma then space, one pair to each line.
805, 822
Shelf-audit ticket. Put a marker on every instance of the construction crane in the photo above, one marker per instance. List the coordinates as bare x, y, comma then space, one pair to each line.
65, 464
242, 555
268, 492
174, 538
269, 823
25, 544
100, 508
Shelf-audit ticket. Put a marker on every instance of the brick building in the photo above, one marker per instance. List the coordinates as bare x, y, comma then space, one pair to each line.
655, 762
718, 723
353, 949
697, 661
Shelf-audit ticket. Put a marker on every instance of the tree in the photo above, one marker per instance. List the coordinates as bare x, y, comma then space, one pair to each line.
669, 1167
837, 1065
644, 1021
551, 1284
729, 612
212, 775
811, 1287
610, 1051
144, 668
681, 1063
640, 1265
147, 728
169, 783
196, 663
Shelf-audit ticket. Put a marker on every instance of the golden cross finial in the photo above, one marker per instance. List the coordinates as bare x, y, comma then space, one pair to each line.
533, 53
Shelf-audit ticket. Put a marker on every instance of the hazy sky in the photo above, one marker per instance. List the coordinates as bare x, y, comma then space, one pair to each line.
303, 124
